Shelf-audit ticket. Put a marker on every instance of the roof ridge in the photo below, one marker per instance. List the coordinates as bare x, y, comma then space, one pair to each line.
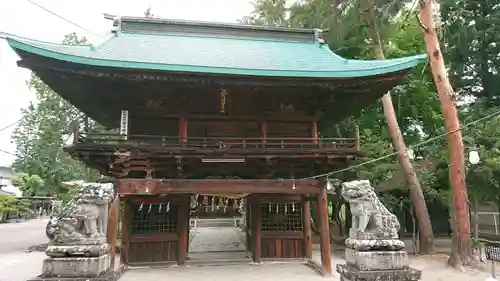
215, 24
213, 36
169, 26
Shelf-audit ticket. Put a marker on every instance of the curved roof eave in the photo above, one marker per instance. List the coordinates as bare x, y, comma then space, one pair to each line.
371, 68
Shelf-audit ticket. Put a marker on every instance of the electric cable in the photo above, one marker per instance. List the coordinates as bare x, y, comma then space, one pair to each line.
406, 151
64, 19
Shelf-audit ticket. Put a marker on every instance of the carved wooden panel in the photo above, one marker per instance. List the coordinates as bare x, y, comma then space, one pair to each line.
152, 252
289, 129
153, 126
153, 230
282, 248
234, 129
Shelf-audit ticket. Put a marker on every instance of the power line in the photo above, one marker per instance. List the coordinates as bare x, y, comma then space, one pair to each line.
7, 152
413, 146
8, 126
63, 18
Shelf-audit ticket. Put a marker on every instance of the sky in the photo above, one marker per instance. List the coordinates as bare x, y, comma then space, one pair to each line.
20, 17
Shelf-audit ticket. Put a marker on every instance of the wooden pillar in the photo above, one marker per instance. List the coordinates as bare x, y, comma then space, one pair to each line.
256, 229
182, 229
183, 129
188, 226
76, 132
247, 224
306, 224
112, 227
314, 131
263, 131
357, 139
324, 229
126, 219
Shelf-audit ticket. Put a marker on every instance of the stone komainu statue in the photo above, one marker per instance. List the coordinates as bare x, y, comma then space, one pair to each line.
373, 251
80, 223
370, 218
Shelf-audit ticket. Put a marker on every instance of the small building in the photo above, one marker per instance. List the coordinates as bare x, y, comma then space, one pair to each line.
6, 186
210, 109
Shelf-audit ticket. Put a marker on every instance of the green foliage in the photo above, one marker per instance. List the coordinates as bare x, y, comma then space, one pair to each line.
483, 179
471, 39
10, 204
417, 108
7, 203
30, 185
42, 133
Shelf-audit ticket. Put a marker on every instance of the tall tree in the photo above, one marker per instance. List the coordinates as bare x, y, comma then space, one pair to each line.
348, 38
42, 133
471, 39
426, 237
461, 250
30, 185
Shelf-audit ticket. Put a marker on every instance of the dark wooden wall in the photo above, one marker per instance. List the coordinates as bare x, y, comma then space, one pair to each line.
154, 126
158, 112
281, 228
152, 235
282, 246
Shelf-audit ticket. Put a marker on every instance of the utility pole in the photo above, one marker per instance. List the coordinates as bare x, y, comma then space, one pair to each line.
461, 250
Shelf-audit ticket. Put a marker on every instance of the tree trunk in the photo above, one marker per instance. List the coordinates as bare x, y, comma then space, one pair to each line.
446, 95
426, 235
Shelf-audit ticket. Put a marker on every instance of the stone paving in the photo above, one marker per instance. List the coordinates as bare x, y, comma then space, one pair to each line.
20, 266
216, 239
15, 238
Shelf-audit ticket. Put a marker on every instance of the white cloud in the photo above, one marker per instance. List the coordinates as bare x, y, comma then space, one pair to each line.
26, 19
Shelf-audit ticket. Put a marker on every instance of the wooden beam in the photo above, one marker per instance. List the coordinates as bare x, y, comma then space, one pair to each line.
183, 230
358, 148
225, 186
112, 227
306, 209
314, 131
183, 129
263, 131
256, 229
247, 223
124, 253
324, 229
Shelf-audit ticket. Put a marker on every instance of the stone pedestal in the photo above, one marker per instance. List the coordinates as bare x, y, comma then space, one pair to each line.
377, 260
350, 273
77, 269
78, 250
72, 267
97, 250
377, 265
374, 251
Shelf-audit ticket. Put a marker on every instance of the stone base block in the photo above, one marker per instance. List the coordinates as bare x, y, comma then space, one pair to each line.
77, 250
76, 267
375, 244
109, 276
350, 273
377, 260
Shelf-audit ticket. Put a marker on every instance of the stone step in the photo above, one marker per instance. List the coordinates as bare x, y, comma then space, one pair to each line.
222, 222
218, 258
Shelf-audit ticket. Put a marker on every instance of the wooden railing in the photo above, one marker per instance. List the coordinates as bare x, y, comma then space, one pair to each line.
218, 143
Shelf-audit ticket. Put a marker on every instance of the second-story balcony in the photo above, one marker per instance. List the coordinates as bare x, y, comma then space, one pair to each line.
214, 146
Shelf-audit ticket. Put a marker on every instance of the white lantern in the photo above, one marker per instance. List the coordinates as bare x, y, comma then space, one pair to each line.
329, 185
474, 157
410, 153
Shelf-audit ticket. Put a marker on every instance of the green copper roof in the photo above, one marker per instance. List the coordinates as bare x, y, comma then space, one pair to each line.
215, 54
